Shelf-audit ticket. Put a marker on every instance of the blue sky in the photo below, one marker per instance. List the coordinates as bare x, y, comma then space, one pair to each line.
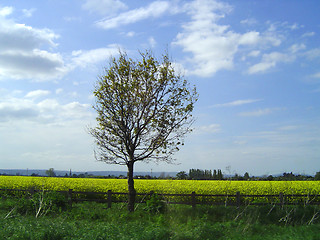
256, 65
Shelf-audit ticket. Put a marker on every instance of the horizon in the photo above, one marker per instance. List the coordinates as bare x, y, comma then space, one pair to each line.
145, 173
255, 65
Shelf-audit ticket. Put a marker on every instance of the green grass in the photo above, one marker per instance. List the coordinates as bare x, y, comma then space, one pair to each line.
94, 221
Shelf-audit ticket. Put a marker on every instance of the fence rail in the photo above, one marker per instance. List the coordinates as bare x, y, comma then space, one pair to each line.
194, 199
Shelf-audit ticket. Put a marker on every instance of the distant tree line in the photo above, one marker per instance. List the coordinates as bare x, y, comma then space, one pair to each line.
195, 174
198, 174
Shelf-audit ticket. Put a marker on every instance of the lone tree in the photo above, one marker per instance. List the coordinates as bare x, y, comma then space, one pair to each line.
144, 110
50, 172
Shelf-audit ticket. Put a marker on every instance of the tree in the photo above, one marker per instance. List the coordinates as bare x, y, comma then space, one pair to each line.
144, 110
246, 176
50, 172
219, 175
214, 176
182, 175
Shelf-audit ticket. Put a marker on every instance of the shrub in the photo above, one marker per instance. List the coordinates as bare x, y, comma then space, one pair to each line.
155, 204
41, 203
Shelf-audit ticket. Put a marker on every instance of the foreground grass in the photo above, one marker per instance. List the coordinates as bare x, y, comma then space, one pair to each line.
94, 221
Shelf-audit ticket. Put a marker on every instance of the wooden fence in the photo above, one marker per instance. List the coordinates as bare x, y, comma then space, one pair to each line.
193, 198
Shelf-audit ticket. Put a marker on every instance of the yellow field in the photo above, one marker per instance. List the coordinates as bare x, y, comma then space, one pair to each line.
162, 186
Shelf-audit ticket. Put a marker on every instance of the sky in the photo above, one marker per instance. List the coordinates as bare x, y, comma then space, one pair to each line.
255, 64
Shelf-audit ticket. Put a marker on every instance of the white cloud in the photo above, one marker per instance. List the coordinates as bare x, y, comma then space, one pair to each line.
45, 131
288, 128
316, 75
131, 34
250, 38
6, 11
153, 10
47, 105
59, 90
104, 7
36, 65
213, 46
297, 47
28, 12
249, 21
261, 67
271, 60
46, 111
313, 53
308, 34
83, 58
179, 69
152, 42
254, 53
20, 53
207, 129
75, 110
237, 103
16, 36
240, 142
17, 109
295, 26
37, 93
259, 113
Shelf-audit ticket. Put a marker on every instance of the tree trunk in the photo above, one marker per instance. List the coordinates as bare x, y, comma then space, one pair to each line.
131, 190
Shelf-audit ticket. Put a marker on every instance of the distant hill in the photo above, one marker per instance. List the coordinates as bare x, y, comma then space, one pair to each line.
61, 173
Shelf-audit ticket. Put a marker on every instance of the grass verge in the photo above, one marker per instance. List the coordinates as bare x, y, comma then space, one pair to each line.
91, 220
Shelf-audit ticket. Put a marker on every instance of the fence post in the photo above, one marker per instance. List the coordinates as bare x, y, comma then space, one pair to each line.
109, 198
193, 200
281, 198
70, 197
238, 199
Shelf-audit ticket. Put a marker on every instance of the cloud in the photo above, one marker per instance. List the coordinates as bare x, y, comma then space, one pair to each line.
17, 109
297, 47
207, 129
19, 37
5, 11
21, 55
153, 10
249, 21
152, 42
254, 53
37, 93
313, 54
308, 34
213, 46
83, 59
316, 75
36, 65
47, 130
59, 90
131, 34
104, 7
271, 60
259, 113
288, 128
46, 111
237, 103
28, 12
75, 110
250, 38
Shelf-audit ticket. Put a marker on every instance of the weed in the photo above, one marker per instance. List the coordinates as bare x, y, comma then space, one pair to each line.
155, 204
